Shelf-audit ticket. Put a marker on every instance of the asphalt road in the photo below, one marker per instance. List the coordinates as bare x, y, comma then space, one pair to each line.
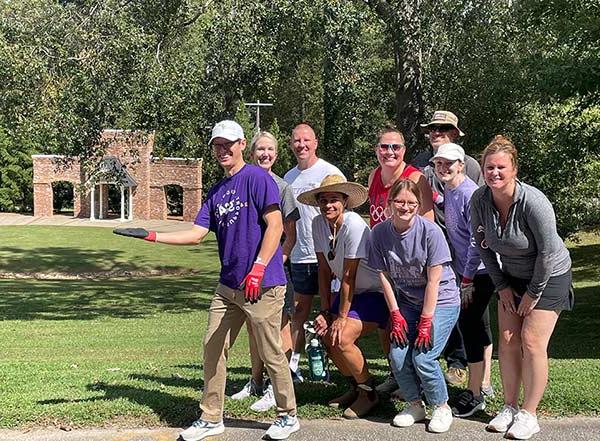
572, 429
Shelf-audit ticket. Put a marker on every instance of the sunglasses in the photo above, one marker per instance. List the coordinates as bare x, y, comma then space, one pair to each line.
331, 253
393, 147
440, 128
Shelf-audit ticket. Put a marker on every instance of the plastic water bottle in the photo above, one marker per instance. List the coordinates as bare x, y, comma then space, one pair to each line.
316, 361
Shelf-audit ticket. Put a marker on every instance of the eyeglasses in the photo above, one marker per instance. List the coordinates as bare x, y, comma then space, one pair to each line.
408, 204
440, 128
331, 253
393, 147
224, 145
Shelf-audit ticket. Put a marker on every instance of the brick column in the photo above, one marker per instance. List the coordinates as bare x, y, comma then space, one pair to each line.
158, 203
191, 203
43, 199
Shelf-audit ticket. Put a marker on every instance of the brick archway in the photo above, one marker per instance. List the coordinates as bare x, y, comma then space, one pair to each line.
151, 174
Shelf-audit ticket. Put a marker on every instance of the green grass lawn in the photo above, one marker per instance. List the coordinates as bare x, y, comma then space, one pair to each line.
128, 351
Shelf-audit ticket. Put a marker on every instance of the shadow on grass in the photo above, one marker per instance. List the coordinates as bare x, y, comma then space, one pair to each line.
93, 299
73, 260
173, 411
76, 250
576, 333
175, 381
585, 262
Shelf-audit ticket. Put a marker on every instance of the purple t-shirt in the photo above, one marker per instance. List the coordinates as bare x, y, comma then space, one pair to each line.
457, 214
234, 210
406, 256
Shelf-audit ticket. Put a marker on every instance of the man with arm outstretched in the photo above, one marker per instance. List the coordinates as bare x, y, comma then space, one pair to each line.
243, 212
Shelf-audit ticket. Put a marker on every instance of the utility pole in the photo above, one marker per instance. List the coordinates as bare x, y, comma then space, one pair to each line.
258, 105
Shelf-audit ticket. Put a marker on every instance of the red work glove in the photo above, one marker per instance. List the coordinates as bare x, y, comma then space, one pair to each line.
138, 233
424, 339
399, 328
253, 281
438, 198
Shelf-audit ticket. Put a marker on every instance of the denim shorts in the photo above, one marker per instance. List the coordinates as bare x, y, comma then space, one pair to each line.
366, 307
305, 277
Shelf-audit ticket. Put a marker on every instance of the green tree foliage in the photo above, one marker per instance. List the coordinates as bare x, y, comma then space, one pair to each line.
527, 69
15, 174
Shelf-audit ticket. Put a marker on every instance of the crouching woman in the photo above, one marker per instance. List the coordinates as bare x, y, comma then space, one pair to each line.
420, 287
341, 240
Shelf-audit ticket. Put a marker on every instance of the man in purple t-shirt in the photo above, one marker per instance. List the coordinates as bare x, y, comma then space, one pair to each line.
243, 212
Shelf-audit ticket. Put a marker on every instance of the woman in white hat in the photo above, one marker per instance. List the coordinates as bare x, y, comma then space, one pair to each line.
476, 285
341, 240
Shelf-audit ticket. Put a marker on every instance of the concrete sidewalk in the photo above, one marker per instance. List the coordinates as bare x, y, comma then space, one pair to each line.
68, 221
574, 429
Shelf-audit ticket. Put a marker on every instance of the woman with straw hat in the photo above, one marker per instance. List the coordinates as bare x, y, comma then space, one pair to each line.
341, 241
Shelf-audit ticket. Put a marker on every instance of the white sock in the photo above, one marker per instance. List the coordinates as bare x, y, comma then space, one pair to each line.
294, 360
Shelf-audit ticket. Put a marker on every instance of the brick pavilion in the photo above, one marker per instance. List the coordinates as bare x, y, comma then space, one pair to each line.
128, 164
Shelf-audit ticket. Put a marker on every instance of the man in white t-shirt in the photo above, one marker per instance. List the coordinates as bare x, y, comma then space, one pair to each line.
307, 175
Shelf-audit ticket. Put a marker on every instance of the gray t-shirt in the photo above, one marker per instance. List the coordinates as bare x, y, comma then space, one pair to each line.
406, 256
351, 242
289, 209
529, 246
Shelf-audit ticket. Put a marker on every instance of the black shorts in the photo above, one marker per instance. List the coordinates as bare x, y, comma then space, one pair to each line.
557, 296
305, 278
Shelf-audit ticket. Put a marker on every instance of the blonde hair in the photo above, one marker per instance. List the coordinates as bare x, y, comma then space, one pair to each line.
500, 144
260, 135
405, 184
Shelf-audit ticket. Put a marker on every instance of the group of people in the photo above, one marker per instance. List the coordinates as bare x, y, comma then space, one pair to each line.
445, 236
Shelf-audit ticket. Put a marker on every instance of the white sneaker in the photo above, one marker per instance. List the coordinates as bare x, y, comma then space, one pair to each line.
249, 389
283, 427
410, 415
200, 429
504, 419
265, 402
524, 426
388, 386
441, 419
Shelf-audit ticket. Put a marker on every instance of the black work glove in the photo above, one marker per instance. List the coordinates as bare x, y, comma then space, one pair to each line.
138, 233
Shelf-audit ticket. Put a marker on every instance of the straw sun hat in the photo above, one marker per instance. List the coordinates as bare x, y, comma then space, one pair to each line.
356, 193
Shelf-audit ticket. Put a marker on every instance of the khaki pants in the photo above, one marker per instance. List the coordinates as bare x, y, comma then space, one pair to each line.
227, 313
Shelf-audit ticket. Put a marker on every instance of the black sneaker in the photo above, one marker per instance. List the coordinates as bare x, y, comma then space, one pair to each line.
467, 404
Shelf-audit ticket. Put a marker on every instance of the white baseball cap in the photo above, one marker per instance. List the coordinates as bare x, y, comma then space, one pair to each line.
230, 130
451, 152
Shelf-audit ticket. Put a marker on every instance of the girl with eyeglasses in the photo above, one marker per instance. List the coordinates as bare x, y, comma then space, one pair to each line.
341, 241
419, 285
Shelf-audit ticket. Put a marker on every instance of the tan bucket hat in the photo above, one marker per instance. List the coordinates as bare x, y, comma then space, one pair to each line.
356, 193
442, 117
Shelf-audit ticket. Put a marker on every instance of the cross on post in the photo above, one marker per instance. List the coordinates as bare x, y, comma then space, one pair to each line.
258, 105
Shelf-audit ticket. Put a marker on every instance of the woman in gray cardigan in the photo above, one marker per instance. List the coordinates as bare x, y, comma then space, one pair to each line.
516, 222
